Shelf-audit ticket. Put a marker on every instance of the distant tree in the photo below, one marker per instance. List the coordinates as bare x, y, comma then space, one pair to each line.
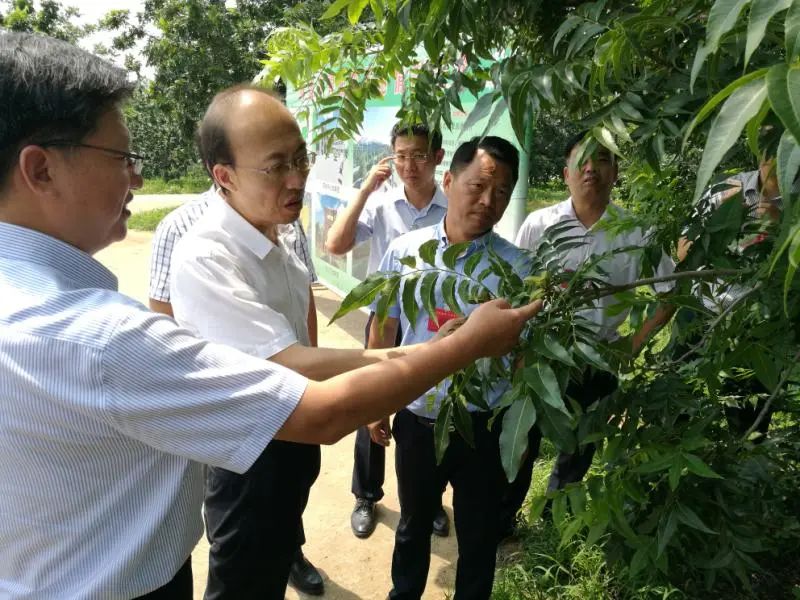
51, 18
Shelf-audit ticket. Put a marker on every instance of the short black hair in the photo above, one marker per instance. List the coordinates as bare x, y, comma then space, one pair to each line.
50, 89
577, 139
574, 141
402, 129
496, 147
213, 143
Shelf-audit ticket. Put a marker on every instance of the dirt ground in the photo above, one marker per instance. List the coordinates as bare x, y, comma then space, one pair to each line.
352, 568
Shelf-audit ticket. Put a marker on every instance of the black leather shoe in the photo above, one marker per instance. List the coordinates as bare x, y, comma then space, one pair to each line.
362, 521
441, 523
305, 578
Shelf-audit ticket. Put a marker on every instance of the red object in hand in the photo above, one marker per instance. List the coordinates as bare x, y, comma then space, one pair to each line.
442, 316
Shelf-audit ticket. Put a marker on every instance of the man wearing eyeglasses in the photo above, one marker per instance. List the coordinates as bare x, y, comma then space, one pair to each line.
380, 217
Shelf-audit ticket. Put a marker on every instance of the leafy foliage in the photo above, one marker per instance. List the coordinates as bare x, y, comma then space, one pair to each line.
685, 91
52, 19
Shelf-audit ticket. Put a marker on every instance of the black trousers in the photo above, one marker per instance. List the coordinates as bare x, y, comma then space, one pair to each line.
178, 588
478, 482
369, 460
254, 522
568, 468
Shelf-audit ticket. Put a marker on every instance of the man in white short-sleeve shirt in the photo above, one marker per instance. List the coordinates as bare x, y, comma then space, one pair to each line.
109, 410
380, 217
590, 184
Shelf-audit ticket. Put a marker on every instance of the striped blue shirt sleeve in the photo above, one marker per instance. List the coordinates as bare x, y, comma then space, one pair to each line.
206, 402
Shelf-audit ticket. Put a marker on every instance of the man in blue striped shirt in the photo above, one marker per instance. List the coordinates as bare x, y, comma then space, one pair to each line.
107, 410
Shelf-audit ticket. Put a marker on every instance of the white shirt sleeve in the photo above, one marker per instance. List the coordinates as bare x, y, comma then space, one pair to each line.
214, 300
366, 220
184, 396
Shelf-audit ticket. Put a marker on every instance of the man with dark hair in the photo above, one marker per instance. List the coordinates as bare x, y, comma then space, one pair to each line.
110, 410
380, 218
478, 185
590, 180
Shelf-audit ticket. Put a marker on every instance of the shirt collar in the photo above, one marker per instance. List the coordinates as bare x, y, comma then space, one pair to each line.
27, 245
479, 242
566, 208
237, 227
439, 198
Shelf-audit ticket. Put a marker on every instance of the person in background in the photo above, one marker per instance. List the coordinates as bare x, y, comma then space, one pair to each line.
380, 217
590, 182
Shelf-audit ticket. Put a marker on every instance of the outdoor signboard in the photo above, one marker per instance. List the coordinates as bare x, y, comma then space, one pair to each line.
337, 175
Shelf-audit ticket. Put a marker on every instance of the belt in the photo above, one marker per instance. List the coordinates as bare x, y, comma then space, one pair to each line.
424, 420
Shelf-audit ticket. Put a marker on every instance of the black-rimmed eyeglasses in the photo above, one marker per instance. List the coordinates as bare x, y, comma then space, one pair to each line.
135, 161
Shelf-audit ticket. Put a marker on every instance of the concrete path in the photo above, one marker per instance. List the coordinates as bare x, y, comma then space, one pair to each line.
352, 568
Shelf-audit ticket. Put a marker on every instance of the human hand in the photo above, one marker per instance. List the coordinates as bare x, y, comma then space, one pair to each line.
380, 432
493, 328
378, 175
451, 326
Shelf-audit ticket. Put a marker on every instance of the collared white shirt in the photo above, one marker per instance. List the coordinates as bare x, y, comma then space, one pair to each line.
388, 215
231, 284
108, 412
622, 267
175, 225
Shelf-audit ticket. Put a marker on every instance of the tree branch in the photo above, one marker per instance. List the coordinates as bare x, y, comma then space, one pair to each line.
615, 289
772, 397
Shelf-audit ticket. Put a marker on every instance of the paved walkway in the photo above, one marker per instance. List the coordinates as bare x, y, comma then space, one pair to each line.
352, 568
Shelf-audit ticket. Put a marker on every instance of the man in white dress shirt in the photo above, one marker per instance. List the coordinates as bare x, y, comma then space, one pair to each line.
590, 183
110, 410
380, 216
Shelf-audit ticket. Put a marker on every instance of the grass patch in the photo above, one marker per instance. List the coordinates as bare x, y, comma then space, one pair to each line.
541, 196
188, 184
148, 220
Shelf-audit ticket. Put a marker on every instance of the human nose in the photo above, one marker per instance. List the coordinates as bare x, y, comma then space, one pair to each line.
137, 181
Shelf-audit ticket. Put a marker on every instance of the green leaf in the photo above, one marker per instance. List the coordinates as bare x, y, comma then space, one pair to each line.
478, 112
391, 29
408, 261
570, 531
354, 10
452, 253
472, 262
761, 11
449, 293
388, 297
787, 163
427, 252
552, 348
675, 474
499, 110
792, 27
427, 292
699, 61
542, 380
592, 356
335, 8
760, 359
783, 88
738, 109
464, 291
463, 421
361, 295
441, 430
410, 306
537, 508
688, 517
596, 531
709, 106
517, 422
557, 427
721, 19
696, 465
666, 529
